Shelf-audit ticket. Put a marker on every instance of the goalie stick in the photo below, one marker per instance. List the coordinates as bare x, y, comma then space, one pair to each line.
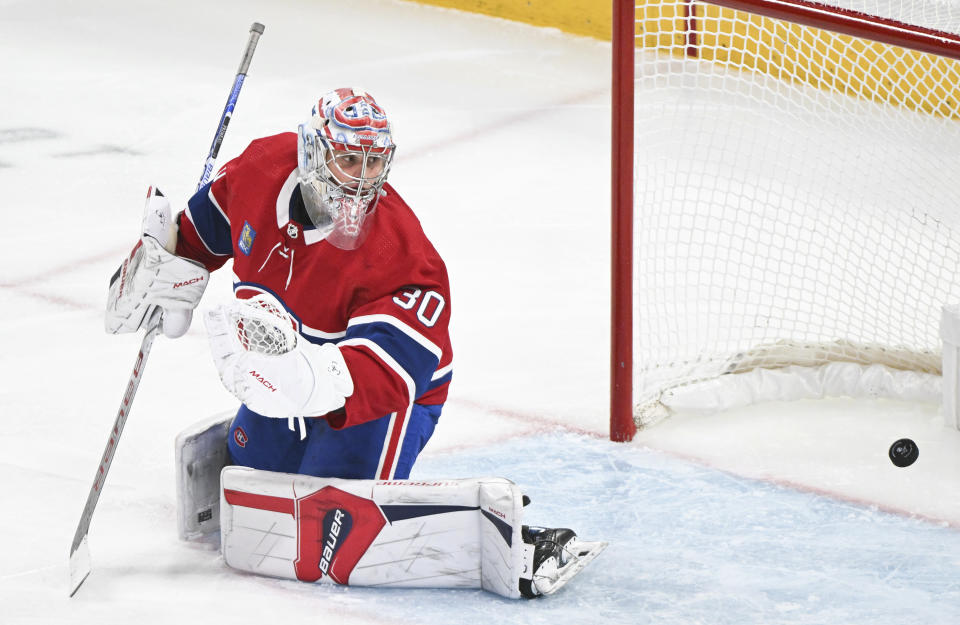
79, 551
80, 565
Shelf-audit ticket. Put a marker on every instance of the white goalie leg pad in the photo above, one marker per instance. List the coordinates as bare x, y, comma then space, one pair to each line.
435, 534
201, 453
503, 556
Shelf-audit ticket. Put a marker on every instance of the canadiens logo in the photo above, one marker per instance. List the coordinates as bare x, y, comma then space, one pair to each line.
247, 235
240, 437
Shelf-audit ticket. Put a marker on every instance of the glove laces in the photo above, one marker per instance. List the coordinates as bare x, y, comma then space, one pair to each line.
293, 422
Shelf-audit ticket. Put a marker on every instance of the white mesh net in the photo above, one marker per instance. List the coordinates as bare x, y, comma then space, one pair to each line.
262, 325
796, 195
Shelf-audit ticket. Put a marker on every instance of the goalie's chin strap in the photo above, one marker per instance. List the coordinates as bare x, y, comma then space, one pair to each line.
299, 421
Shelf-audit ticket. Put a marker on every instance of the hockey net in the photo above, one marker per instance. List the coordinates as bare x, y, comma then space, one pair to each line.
786, 197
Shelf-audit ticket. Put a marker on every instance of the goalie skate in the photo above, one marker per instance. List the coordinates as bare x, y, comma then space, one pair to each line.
554, 557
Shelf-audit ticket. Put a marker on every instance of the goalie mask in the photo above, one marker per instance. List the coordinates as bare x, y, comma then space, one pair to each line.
344, 155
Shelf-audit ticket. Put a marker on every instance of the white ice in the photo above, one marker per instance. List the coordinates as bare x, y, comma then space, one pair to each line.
775, 514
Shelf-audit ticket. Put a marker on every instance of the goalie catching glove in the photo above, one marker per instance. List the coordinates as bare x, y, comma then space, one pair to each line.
264, 363
153, 276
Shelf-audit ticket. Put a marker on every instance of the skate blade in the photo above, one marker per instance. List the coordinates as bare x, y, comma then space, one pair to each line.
582, 553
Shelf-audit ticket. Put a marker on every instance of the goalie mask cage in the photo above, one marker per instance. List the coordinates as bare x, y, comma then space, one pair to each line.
786, 191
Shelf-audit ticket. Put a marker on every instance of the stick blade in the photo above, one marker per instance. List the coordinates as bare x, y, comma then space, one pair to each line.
79, 565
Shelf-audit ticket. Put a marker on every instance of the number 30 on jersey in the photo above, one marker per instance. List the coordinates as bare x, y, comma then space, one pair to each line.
431, 304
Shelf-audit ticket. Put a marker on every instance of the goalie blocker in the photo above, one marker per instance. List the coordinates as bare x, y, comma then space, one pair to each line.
464, 533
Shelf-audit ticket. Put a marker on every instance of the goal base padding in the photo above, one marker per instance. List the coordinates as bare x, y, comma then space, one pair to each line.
461, 533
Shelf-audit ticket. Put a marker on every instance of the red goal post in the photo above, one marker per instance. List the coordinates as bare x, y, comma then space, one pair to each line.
841, 107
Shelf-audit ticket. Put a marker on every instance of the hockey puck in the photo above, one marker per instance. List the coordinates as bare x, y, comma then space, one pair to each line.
904, 452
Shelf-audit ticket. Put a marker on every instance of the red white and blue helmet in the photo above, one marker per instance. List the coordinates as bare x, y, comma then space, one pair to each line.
344, 155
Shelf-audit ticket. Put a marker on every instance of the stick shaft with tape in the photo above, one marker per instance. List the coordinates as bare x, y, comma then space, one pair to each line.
80, 564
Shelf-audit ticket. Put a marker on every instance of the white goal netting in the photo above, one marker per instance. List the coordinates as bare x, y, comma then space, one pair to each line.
797, 195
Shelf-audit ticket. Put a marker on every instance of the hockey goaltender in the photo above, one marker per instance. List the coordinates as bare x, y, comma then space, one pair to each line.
336, 345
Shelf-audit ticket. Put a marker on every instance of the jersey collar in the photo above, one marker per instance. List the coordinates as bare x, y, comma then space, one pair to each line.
284, 200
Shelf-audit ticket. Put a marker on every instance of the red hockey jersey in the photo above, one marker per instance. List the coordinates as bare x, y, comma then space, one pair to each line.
385, 304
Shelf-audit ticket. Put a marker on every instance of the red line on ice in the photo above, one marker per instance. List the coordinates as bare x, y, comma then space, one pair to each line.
27, 286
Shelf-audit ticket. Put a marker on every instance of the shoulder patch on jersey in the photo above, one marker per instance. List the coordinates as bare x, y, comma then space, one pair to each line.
247, 235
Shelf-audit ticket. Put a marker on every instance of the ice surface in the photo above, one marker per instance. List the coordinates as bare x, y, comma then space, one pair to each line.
777, 514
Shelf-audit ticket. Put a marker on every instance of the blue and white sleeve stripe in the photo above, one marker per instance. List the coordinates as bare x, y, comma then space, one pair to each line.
440, 377
210, 221
409, 350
